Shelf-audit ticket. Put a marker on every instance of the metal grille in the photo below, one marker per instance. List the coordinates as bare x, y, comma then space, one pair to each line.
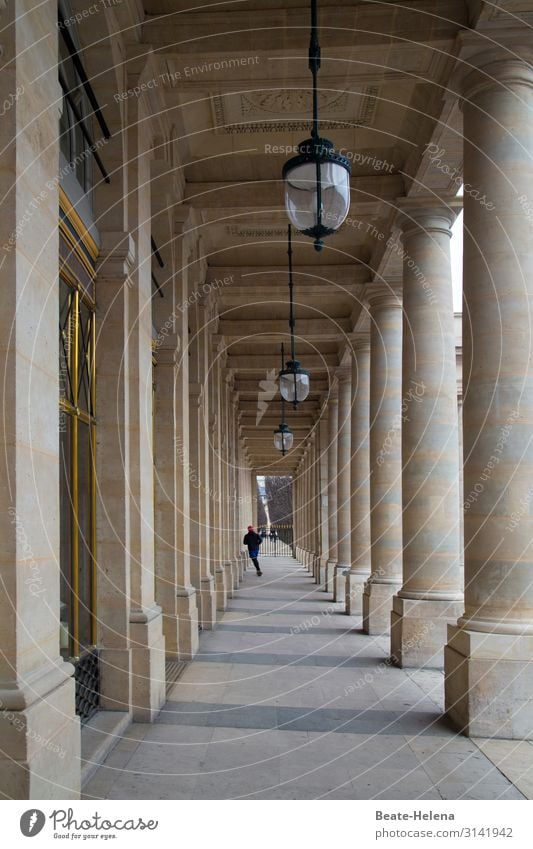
87, 680
277, 541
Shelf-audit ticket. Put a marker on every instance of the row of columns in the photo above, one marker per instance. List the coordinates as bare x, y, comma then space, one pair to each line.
173, 487
395, 451
394, 471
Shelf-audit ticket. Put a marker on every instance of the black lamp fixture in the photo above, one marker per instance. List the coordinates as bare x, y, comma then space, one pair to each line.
317, 181
293, 380
283, 436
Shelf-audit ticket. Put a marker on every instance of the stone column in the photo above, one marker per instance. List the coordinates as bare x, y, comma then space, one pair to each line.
305, 511
385, 458
322, 484
112, 504
39, 732
301, 510
146, 621
217, 542
253, 489
301, 534
489, 684
315, 515
166, 472
431, 595
227, 440
202, 578
296, 513
360, 478
344, 557
333, 418
312, 505
241, 511
234, 512
185, 592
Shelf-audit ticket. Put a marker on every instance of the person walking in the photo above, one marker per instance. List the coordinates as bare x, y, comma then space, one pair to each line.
253, 541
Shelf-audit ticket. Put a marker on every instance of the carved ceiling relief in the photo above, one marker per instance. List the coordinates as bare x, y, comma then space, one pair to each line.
229, 111
291, 101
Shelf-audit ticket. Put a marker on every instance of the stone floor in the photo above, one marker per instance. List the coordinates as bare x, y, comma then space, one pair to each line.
288, 699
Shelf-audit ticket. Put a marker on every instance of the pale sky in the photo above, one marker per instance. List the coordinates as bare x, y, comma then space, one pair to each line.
456, 248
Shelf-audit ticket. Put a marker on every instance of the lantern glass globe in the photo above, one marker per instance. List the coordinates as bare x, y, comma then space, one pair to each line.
301, 196
294, 384
283, 438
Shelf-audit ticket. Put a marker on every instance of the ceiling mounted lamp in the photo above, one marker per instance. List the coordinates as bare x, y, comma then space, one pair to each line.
294, 382
283, 436
317, 181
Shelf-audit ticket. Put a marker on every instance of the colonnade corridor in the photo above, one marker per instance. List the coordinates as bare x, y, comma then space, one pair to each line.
289, 699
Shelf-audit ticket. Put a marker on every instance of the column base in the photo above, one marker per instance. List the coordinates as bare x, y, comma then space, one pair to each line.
339, 582
237, 569
419, 630
188, 637
377, 606
208, 603
232, 584
355, 585
115, 679
147, 663
40, 745
330, 570
489, 683
221, 587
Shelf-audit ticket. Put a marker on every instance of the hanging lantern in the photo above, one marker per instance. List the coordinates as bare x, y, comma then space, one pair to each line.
317, 181
294, 381
283, 438
317, 189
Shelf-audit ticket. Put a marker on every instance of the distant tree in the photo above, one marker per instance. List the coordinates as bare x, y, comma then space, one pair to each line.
261, 515
279, 496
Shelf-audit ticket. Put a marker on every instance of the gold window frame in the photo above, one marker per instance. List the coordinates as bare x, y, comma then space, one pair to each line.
80, 248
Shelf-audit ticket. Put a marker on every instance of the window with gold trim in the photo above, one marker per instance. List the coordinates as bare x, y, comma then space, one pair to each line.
77, 470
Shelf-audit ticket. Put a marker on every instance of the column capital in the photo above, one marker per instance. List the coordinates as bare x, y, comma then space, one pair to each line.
117, 255
359, 342
344, 375
167, 355
427, 215
382, 296
508, 61
195, 390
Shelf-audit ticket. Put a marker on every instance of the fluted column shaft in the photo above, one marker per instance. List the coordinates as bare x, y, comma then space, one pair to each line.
489, 687
360, 478
385, 459
315, 505
344, 551
431, 594
333, 417
322, 484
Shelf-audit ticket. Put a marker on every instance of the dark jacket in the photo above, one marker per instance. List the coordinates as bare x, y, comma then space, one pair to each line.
252, 540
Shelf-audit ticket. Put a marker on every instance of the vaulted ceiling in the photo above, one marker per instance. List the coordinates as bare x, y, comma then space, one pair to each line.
238, 94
